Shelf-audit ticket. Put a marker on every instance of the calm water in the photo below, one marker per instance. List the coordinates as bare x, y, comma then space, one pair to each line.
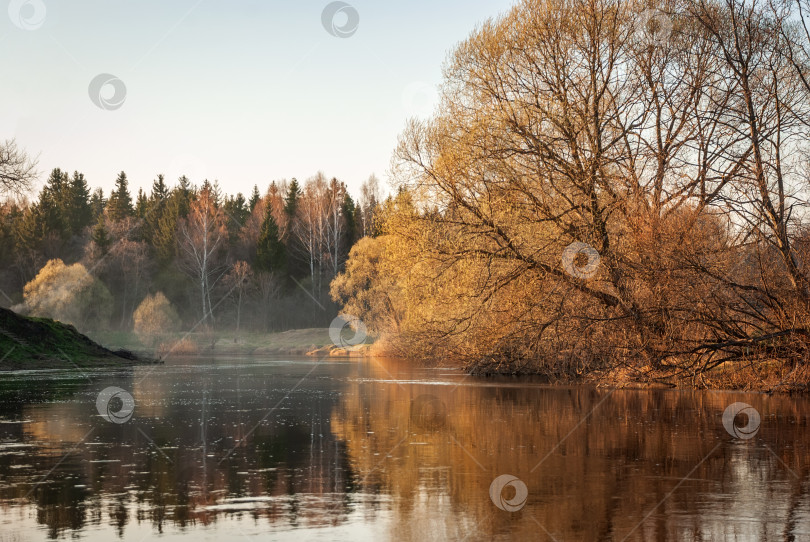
232, 449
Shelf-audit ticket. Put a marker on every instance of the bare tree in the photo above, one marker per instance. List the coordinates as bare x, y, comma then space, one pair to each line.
239, 282
131, 262
310, 228
17, 169
335, 225
370, 196
202, 238
678, 161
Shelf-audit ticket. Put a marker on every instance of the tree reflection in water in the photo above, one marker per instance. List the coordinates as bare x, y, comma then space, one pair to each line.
596, 462
410, 450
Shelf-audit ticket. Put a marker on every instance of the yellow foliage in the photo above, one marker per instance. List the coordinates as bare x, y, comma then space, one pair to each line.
70, 294
154, 317
552, 216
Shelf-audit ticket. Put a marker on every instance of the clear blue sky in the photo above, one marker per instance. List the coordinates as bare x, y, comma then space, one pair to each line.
243, 91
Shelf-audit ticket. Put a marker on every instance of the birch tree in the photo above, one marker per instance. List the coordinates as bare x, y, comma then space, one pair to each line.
370, 196
202, 241
335, 226
310, 228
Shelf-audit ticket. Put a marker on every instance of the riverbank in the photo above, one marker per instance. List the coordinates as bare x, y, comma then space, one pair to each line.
314, 342
42, 343
759, 377
763, 376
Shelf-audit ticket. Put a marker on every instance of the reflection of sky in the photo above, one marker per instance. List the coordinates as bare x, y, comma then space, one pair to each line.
245, 91
347, 456
235, 527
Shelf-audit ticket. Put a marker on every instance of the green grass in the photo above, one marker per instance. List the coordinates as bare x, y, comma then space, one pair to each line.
45, 343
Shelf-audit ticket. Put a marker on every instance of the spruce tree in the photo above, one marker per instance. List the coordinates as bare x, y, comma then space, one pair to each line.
119, 205
57, 187
49, 211
270, 253
358, 221
10, 218
348, 210
101, 236
141, 204
185, 194
97, 203
255, 198
29, 233
159, 189
236, 214
155, 207
80, 211
164, 232
291, 201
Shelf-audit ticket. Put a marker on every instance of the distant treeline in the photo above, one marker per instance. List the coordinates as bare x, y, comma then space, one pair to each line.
221, 261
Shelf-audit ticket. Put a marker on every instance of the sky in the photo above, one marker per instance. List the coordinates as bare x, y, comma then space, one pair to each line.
241, 91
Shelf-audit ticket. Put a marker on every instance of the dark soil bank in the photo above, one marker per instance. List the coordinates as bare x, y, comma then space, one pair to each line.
41, 343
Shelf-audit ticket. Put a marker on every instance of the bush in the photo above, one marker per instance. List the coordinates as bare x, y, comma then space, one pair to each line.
70, 294
155, 317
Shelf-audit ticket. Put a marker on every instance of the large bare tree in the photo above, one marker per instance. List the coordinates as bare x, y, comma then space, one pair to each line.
599, 193
17, 169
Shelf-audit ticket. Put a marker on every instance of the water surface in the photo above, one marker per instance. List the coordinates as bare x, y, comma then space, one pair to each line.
307, 449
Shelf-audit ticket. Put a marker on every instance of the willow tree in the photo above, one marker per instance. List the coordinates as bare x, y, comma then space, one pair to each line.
590, 185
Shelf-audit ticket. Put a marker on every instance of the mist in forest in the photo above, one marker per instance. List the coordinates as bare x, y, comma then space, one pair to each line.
183, 256
607, 190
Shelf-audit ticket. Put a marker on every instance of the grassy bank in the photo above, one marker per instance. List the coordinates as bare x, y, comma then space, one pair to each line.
37, 343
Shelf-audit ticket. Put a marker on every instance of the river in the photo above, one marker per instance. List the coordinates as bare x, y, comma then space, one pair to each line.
306, 449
